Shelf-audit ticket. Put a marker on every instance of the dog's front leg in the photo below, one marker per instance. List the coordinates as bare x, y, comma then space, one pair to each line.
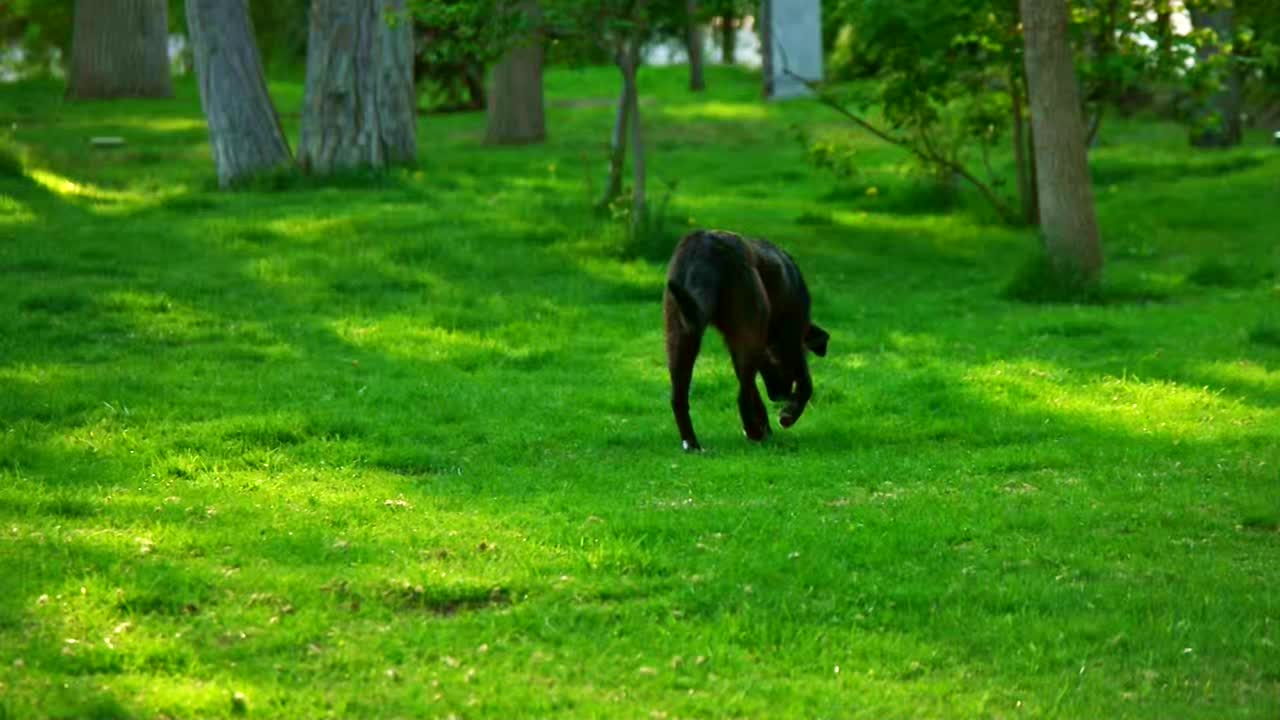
800, 397
755, 418
682, 351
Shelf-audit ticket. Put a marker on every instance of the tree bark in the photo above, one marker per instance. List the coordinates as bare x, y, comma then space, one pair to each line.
693, 43
766, 46
244, 129
728, 39
120, 49
1022, 152
516, 113
1164, 38
1218, 123
618, 142
1067, 216
639, 210
359, 104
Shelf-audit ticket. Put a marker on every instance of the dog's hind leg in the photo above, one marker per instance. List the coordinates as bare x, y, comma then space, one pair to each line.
682, 351
755, 418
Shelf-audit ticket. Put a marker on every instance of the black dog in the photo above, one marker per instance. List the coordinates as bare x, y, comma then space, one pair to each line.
753, 293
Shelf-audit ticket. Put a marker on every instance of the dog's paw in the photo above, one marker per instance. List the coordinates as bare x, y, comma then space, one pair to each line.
691, 447
786, 419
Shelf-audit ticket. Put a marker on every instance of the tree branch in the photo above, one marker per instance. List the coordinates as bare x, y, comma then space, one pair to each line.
928, 154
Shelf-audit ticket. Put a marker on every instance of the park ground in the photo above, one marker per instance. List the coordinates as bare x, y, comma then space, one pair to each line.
401, 447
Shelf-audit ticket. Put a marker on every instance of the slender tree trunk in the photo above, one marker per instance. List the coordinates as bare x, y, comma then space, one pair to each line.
477, 98
1104, 48
1164, 38
1067, 215
515, 91
728, 38
244, 130
359, 105
120, 49
693, 43
618, 142
1022, 153
639, 212
766, 46
1218, 123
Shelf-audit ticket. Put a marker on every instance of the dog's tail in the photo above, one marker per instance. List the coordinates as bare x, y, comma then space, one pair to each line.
691, 311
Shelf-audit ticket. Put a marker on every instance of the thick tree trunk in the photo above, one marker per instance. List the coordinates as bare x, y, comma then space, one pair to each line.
359, 105
728, 39
1067, 215
515, 90
120, 49
244, 130
693, 43
1219, 123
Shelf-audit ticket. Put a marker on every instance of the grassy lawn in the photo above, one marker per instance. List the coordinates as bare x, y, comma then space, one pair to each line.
403, 448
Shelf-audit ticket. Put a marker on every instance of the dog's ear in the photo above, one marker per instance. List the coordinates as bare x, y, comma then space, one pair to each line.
816, 340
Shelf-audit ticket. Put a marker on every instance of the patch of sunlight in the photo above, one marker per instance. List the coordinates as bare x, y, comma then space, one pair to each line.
39, 374
279, 272
163, 125
1128, 405
1241, 372
849, 361
66, 187
14, 212
429, 343
914, 344
638, 275
156, 315
718, 110
312, 228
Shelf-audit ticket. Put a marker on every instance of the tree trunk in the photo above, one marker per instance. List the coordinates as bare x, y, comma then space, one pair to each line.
618, 142
244, 130
1218, 123
766, 46
477, 99
693, 42
728, 38
1164, 39
1022, 152
359, 104
515, 89
639, 213
120, 49
1062, 172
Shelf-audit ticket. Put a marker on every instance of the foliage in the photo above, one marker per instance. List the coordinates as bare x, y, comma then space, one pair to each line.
405, 450
12, 164
943, 87
455, 41
41, 29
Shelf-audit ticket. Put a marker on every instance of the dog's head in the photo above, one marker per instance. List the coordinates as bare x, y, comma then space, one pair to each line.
781, 368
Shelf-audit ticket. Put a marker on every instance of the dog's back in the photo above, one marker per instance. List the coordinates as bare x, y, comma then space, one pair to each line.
712, 281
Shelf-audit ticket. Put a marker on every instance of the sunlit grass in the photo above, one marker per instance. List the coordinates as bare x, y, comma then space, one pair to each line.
404, 448
66, 187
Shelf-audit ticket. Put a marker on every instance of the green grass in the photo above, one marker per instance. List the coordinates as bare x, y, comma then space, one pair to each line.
402, 448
